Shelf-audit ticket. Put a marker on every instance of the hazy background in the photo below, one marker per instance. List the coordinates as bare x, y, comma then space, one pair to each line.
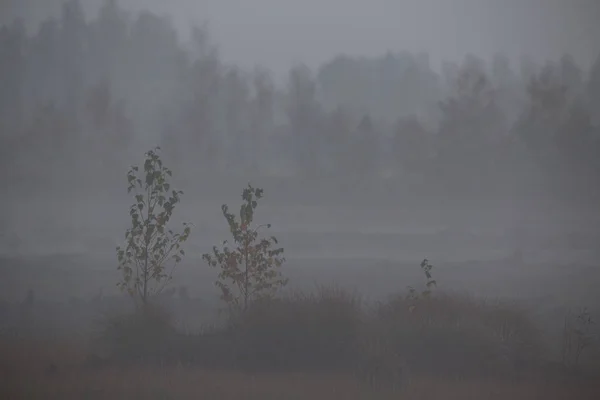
383, 132
277, 33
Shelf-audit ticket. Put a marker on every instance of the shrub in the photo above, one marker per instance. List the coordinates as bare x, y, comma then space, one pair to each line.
301, 332
332, 329
453, 334
145, 336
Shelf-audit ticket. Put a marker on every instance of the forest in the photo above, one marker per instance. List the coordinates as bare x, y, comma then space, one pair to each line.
424, 232
82, 95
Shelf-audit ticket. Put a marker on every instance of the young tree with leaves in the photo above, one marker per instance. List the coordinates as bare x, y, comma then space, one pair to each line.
249, 270
150, 246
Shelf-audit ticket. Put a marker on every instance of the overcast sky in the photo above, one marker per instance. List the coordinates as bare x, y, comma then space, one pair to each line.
277, 33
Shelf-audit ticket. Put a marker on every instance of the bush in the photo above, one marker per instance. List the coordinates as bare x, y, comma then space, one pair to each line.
314, 331
331, 329
145, 336
453, 334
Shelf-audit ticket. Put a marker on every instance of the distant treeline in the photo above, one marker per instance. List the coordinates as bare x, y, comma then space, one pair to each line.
85, 95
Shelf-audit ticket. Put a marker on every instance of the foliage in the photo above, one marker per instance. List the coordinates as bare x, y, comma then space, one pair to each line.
150, 245
460, 335
318, 330
220, 115
249, 270
471, 126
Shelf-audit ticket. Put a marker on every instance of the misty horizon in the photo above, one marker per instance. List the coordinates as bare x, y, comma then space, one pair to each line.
446, 30
334, 199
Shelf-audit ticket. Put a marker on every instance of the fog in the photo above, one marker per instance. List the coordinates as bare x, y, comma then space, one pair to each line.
147, 84
382, 132
445, 29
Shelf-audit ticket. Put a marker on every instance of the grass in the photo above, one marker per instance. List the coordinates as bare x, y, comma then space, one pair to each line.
314, 323
75, 382
302, 345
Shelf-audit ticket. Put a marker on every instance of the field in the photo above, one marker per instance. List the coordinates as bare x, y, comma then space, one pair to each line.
65, 256
25, 376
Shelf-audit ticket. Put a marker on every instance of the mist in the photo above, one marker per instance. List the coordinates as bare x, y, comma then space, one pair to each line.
462, 132
447, 30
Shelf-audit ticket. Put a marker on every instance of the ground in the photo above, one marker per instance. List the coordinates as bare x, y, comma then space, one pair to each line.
26, 376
